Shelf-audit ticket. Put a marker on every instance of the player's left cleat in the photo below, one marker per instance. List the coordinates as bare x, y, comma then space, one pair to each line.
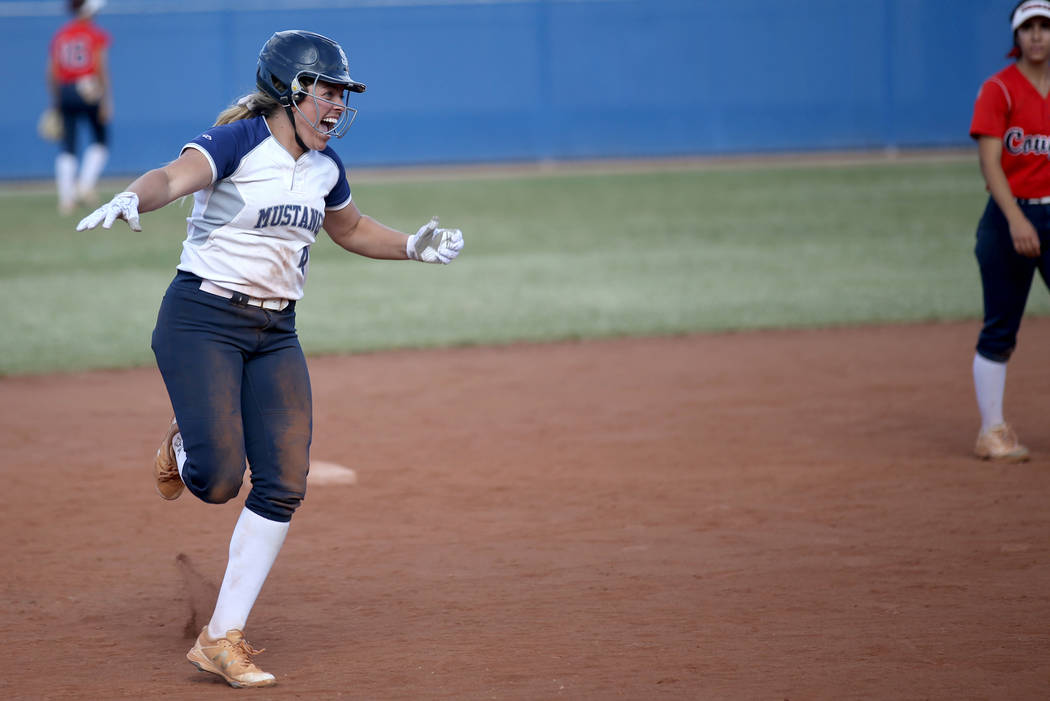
999, 443
166, 468
230, 658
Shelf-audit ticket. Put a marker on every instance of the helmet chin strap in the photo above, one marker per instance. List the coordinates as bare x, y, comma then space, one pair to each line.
291, 118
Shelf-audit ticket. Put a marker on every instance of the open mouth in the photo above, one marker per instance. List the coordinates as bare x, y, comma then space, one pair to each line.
334, 123
329, 123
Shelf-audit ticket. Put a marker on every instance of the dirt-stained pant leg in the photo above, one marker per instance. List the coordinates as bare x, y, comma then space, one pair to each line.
276, 404
239, 385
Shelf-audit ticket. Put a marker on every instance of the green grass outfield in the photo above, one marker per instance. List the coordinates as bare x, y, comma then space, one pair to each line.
549, 255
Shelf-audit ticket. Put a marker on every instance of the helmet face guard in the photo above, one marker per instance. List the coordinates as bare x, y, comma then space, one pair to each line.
304, 87
292, 60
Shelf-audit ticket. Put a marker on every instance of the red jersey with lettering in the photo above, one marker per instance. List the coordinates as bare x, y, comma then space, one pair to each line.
75, 49
1010, 108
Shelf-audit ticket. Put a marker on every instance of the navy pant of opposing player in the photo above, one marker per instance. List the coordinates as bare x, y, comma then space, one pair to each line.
1007, 276
73, 107
239, 385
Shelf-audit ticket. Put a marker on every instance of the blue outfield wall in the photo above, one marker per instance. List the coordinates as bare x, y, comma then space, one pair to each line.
524, 80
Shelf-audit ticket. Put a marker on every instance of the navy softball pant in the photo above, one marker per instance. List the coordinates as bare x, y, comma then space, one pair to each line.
1006, 276
239, 385
74, 108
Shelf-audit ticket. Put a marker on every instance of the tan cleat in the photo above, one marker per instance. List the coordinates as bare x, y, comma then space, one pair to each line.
166, 468
230, 658
1000, 443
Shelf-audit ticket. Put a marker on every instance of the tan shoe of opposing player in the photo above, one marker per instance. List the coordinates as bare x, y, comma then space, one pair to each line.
87, 198
166, 468
230, 658
1000, 443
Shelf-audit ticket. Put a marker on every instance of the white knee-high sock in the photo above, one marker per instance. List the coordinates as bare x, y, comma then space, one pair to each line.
180, 451
95, 157
65, 179
253, 549
989, 381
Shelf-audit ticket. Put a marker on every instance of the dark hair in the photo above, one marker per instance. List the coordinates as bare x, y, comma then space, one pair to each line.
1015, 52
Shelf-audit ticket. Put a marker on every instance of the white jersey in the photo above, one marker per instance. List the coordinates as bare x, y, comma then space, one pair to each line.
251, 229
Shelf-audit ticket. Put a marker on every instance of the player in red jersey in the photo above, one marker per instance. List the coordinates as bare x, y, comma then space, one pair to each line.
78, 79
1011, 123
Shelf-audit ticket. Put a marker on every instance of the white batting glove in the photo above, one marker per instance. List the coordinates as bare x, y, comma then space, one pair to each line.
123, 206
433, 245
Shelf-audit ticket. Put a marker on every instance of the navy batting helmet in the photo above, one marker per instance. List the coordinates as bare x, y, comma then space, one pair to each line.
293, 53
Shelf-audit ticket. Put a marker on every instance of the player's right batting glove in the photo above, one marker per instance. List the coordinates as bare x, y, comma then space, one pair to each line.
433, 245
123, 206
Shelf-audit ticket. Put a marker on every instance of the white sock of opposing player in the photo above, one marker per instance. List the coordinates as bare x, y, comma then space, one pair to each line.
95, 157
253, 549
989, 381
65, 180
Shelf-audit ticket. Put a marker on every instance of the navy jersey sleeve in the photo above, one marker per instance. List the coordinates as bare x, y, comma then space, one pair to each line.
227, 144
339, 196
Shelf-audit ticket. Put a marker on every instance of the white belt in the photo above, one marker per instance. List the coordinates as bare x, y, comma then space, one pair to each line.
241, 298
1037, 200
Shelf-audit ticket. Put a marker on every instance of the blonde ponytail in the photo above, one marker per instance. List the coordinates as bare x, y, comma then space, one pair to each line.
248, 106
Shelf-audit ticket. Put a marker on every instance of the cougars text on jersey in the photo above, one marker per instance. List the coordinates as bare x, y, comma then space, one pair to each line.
1017, 143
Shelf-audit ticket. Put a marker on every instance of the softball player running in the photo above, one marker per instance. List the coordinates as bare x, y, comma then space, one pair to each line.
265, 181
1011, 123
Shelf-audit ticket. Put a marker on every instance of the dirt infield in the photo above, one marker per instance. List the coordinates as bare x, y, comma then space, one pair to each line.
774, 515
